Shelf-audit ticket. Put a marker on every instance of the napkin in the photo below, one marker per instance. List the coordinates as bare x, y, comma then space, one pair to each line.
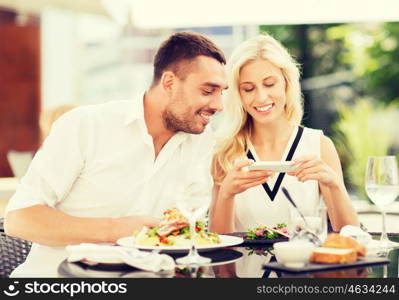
358, 234
99, 253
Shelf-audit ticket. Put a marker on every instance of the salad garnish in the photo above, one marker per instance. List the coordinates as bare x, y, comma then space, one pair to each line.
265, 233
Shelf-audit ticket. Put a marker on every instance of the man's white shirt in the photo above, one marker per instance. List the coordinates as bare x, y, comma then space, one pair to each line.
99, 161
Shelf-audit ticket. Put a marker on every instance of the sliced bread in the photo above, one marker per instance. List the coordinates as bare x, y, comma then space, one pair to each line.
333, 255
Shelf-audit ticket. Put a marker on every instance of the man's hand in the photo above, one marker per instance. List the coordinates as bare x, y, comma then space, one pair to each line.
126, 226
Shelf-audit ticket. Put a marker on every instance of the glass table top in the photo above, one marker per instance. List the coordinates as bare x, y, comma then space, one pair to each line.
236, 262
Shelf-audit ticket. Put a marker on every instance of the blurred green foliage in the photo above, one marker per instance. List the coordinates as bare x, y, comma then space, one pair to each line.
317, 53
369, 50
373, 51
362, 130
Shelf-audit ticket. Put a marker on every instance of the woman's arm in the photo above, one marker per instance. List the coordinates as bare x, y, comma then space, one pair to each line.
327, 171
340, 208
221, 215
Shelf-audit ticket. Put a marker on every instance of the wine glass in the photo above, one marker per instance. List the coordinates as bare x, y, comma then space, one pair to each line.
382, 187
194, 203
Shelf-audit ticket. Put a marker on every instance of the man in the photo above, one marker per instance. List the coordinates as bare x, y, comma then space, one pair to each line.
107, 170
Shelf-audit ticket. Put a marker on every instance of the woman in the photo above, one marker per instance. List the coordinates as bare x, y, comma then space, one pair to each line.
263, 112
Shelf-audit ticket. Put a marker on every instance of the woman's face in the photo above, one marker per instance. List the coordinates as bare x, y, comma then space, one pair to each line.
262, 90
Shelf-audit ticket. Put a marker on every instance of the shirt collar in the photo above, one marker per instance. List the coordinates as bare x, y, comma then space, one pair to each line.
136, 110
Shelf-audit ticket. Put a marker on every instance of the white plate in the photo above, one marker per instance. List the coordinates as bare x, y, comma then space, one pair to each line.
225, 241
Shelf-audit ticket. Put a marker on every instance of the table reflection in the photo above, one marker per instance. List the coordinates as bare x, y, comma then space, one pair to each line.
84, 269
236, 262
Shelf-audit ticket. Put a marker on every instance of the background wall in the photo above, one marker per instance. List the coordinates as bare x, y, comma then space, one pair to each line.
19, 86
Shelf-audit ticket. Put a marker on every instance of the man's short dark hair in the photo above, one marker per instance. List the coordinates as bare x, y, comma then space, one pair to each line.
183, 46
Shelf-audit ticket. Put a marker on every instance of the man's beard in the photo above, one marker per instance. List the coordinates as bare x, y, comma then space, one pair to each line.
185, 122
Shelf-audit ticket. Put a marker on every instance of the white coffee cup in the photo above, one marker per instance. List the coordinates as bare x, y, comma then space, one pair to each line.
293, 254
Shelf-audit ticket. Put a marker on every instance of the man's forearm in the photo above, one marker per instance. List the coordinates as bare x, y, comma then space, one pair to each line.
48, 226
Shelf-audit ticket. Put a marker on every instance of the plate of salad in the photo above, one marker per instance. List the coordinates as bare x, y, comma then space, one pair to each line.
264, 235
173, 236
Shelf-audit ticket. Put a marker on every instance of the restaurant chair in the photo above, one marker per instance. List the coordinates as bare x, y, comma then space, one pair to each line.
19, 161
13, 252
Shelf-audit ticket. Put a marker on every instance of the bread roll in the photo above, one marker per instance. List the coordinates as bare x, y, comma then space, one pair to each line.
334, 240
333, 256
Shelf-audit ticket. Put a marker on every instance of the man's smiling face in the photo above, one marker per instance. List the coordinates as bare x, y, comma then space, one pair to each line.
196, 97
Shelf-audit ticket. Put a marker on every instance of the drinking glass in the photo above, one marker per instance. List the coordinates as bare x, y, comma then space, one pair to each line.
316, 222
382, 187
194, 203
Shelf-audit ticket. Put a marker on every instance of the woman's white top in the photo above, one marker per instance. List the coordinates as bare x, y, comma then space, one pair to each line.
254, 207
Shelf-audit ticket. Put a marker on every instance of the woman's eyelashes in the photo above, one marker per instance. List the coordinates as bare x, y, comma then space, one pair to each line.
251, 89
268, 84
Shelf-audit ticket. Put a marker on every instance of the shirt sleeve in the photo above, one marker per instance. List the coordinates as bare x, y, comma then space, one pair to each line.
55, 166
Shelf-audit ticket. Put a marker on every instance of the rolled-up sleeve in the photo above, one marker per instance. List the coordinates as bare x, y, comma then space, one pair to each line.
55, 166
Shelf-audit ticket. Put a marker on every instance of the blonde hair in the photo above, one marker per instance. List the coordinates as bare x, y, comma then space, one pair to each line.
235, 129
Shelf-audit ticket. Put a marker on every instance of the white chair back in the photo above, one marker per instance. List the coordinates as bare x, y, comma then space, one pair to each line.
19, 161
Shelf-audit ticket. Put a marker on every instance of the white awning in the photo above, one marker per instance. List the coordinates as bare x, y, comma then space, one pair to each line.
203, 13
183, 13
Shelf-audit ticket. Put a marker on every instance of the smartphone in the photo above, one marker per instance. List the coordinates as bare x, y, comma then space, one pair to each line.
277, 166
